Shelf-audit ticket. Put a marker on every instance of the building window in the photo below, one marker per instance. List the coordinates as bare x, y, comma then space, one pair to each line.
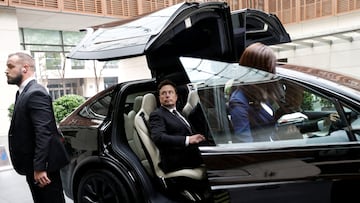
53, 61
77, 64
58, 87
110, 81
49, 48
111, 64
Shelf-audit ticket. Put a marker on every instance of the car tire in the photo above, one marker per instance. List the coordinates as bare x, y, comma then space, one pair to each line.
102, 186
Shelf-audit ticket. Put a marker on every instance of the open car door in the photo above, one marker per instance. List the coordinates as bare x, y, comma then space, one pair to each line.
251, 25
202, 30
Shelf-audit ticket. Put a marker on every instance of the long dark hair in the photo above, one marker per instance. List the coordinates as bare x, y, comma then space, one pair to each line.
259, 56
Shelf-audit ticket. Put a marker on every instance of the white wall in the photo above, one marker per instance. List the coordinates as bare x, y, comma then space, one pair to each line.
129, 69
342, 56
9, 42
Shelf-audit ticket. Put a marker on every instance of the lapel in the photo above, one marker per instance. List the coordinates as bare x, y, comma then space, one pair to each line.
16, 106
177, 119
27, 87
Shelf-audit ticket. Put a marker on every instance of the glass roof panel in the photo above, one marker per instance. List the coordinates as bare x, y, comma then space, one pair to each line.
211, 73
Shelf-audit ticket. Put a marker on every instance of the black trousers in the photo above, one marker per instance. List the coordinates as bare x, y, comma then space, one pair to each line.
52, 193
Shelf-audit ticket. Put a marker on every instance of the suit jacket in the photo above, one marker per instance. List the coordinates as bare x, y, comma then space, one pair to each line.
34, 140
251, 122
169, 134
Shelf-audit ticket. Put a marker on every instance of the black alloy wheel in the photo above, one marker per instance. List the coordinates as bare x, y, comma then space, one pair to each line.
102, 186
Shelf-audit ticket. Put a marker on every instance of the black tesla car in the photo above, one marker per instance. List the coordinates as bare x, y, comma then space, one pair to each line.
304, 156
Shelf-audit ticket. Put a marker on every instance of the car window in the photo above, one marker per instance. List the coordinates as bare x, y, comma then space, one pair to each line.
353, 119
256, 109
274, 114
97, 109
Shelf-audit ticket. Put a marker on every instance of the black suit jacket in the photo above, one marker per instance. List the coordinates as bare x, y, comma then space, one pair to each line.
169, 134
34, 140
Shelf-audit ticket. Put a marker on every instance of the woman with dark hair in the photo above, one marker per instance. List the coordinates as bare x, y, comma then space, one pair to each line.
259, 56
250, 108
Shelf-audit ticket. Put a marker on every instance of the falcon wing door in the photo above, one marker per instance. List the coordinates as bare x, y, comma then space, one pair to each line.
251, 25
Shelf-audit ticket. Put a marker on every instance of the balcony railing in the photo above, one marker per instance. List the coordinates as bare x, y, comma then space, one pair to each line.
288, 11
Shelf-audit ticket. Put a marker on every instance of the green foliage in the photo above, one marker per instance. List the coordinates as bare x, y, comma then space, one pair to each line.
326, 103
308, 101
11, 110
64, 105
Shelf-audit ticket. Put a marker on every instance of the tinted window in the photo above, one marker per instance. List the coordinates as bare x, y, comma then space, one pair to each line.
97, 109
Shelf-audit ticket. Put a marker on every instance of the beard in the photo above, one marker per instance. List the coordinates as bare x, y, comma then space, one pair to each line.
15, 80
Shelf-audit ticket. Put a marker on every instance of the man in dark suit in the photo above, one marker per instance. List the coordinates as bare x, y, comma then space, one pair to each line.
172, 134
34, 140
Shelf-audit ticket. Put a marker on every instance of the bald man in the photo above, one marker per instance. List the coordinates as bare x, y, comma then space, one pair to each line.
34, 140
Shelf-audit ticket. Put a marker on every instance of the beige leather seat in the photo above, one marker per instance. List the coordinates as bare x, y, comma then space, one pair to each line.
192, 100
148, 105
132, 136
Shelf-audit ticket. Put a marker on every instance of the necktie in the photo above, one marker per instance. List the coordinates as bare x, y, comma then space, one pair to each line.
16, 96
181, 119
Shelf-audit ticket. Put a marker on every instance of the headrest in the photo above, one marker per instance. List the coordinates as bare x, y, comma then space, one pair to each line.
193, 98
148, 103
137, 103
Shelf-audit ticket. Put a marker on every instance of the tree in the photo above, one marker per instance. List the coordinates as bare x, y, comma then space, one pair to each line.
64, 105
308, 101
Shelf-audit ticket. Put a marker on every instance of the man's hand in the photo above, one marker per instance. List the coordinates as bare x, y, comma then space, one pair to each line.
196, 139
41, 178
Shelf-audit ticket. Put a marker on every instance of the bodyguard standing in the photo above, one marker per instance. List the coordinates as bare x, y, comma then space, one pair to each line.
34, 140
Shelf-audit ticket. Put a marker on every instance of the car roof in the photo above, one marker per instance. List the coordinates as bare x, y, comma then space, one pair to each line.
336, 82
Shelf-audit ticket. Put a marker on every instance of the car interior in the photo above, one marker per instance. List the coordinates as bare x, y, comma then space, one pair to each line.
149, 104
139, 140
208, 111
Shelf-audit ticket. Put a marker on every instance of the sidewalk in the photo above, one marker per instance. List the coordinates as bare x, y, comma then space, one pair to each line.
13, 187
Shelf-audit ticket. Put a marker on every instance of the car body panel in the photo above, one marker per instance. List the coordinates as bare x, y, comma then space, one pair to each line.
263, 169
324, 77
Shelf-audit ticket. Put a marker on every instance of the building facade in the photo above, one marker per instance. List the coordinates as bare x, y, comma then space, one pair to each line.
325, 34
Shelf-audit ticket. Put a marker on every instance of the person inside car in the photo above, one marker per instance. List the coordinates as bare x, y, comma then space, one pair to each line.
177, 144
250, 107
291, 112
